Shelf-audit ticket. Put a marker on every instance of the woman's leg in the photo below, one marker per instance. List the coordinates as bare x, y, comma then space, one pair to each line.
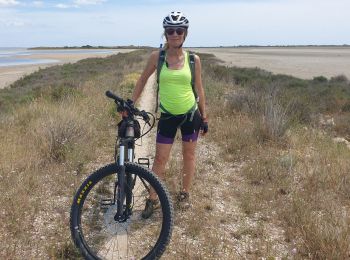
189, 163
189, 131
160, 160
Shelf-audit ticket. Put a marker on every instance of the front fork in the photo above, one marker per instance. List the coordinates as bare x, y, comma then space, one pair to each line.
124, 183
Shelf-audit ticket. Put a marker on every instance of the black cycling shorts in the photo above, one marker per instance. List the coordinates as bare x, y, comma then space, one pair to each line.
168, 125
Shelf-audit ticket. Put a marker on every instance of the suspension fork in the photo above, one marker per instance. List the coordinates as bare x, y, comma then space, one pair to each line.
120, 183
124, 181
129, 181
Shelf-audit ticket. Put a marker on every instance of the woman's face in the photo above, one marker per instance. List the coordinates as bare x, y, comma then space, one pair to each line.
175, 36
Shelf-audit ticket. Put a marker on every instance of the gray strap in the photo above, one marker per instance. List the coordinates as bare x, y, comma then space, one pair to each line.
161, 60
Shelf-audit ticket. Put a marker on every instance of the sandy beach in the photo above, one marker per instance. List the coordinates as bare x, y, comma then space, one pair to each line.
302, 62
12, 73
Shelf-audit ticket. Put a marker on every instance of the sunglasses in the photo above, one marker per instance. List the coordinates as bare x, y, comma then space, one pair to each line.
178, 30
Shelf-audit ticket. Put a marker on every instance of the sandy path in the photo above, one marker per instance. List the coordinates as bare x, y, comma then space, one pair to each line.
303, 62
147, 103
10, 74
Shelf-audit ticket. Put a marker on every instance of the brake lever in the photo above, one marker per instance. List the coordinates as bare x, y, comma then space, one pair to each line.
145, 117
120, 106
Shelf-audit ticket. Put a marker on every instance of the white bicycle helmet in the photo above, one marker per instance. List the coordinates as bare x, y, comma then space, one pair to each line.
175, 19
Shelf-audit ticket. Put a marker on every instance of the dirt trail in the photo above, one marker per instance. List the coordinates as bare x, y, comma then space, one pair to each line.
147, 103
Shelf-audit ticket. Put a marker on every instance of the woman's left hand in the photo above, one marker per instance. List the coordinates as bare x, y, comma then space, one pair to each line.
204, 127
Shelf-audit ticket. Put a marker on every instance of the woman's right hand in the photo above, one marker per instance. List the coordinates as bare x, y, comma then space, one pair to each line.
124, 113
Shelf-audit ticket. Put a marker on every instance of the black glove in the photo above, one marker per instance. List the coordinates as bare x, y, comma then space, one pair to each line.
204, 127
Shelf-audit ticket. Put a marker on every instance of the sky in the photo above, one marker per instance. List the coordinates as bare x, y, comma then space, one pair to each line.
139, 22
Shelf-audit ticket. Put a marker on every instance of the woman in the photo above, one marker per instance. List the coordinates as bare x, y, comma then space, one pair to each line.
178, 105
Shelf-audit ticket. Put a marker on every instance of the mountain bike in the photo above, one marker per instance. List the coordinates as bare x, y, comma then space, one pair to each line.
105, 218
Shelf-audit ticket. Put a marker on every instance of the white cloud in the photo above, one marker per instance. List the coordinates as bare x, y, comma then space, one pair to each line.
78, 3
7, 3
88, 2
38, 3
62, 6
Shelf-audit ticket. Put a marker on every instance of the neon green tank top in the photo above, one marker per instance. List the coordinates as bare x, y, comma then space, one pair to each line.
175, 90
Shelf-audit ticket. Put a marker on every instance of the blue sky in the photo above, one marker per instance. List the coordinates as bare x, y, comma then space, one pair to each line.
212, 23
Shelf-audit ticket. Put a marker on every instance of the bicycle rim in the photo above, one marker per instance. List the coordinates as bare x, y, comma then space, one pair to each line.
100, 236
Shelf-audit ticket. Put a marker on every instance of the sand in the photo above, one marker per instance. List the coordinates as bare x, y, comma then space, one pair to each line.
12, 73
302, 62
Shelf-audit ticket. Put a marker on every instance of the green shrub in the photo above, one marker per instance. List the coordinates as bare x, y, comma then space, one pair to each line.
339, 79
346, 107
320, 79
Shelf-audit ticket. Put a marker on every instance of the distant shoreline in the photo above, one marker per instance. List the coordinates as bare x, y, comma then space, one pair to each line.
10, 74
273, 46
89, 47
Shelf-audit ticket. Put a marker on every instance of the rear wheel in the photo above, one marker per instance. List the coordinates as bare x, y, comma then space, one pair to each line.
96, 232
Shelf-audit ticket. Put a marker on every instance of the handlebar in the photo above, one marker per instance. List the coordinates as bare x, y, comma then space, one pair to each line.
128, 106
110, 94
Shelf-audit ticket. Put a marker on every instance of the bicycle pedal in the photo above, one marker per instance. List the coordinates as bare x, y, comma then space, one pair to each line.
143, 161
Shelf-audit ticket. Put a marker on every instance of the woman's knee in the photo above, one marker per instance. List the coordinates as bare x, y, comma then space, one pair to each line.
162, 154
160, 159
189, 155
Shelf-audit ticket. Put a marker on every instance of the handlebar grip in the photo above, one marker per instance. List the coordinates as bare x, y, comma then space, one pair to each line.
113, 96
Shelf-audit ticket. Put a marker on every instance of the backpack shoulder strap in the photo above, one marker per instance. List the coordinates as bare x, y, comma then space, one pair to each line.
192, 64
161, 60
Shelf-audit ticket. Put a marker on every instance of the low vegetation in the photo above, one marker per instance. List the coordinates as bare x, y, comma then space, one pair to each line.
292, 170
271, 182
53, 124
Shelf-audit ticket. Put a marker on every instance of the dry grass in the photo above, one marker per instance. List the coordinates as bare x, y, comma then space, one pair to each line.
292, 175
319, 201
216, 227
42, 154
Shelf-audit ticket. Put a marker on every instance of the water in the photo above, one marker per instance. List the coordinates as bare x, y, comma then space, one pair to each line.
17, 56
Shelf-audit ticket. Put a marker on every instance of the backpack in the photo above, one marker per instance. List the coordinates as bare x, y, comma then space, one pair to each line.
191, 62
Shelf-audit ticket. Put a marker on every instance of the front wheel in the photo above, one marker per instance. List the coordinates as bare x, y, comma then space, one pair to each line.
93, 226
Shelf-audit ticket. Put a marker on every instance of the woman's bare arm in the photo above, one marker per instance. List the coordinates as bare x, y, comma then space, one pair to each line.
147, 72
199, 88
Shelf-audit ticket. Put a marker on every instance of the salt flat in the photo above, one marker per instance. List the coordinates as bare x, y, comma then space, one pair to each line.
303, 62
12, 73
